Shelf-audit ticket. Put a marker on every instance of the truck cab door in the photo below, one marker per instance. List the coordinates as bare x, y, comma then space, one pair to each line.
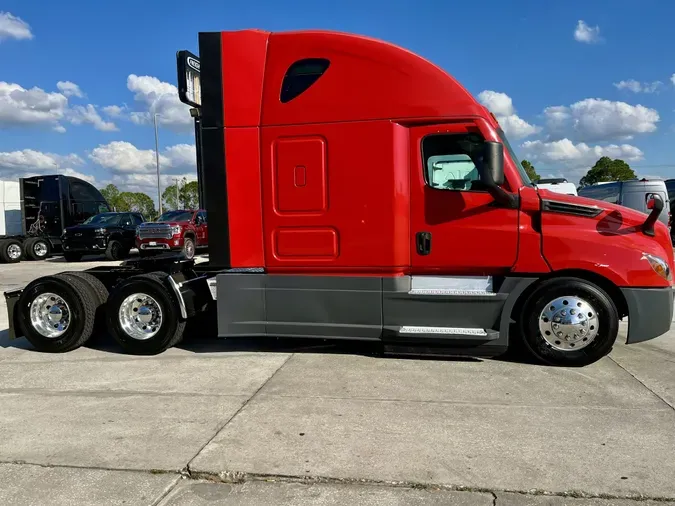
201, 228
456, 225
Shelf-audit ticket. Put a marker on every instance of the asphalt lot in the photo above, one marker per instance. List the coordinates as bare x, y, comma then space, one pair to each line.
264, 422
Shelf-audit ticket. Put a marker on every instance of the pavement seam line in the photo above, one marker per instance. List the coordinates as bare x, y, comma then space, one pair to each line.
186, 470
643, 384
19, 462
167, 491
238, 477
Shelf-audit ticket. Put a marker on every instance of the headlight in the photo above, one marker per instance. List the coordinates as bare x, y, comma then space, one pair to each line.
100, 231
659, 265
175, 230
138, 229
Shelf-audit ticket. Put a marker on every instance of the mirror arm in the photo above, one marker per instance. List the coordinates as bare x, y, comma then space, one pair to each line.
504, 198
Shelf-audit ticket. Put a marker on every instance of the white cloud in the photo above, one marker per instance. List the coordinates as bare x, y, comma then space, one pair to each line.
29, 162
86, 177
575, 159
30, 106
69, 89
672, 79
586, 34
36, 107
158, 97
124, 157
79, 115
13, 27
638, 87
594, 119
114, 111
501, 105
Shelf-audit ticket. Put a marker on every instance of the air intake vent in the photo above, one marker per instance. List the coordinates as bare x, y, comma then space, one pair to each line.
553, 206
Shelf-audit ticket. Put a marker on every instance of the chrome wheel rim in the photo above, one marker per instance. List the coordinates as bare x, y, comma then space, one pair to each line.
569, 323
13, 251
190, 250
140, 316
50, 315
40, 249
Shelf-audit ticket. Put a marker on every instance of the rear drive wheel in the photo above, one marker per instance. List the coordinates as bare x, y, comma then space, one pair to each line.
57, 313
37, 248
569, 322
189, 248
142, 315
99, 291
115, 250
11, 251
72, 257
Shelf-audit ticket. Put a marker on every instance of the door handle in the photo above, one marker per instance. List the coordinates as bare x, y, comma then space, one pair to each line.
423, 243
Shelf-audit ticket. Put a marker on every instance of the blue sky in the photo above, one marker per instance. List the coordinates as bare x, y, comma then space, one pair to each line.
570, 81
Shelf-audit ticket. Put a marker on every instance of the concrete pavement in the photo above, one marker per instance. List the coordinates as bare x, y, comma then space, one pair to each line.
236, 422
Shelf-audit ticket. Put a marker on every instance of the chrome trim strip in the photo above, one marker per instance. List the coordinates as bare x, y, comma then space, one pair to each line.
443, 330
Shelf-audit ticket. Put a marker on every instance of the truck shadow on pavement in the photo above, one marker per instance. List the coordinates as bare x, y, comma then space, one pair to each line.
199, 345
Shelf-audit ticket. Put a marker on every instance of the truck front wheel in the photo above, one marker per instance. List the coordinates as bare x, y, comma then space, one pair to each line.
142, 315
569, 322
189, 248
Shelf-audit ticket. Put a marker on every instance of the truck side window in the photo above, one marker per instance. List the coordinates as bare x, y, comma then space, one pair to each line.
300, 76
450, 161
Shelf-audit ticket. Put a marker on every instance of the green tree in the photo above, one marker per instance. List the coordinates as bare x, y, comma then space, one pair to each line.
111, 194
530, 170
188, 195
606, 169
138, 202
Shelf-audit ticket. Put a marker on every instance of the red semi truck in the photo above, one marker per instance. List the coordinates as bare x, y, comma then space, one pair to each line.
357, 191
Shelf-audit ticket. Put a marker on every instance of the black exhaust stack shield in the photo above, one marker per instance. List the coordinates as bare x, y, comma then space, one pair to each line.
213, 149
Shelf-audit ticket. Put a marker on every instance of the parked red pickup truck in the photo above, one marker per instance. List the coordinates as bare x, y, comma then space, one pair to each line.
184, 230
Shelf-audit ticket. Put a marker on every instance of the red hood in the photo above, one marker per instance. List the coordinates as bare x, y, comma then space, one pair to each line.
629, 217
611, 244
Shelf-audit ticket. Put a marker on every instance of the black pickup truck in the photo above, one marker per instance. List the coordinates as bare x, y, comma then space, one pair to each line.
109, 233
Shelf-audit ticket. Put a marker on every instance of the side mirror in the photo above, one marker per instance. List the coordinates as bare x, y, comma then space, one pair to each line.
493, 163
655, 205
491, 170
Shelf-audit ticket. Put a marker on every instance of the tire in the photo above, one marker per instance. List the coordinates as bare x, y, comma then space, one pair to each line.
80, 310
72, 257
37, 248
115, 250
593, 316
11, 251
188, 248
170, 330
99, 292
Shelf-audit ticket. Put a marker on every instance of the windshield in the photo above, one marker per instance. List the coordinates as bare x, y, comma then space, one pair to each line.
670, 184
176, 216
519, 166
102, 219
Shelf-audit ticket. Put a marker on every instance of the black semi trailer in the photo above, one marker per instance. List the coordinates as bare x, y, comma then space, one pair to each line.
49, 204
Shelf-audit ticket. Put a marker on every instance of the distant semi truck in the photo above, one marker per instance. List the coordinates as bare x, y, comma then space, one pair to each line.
34, 212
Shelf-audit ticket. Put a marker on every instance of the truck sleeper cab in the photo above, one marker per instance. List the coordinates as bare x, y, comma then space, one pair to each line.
349, 199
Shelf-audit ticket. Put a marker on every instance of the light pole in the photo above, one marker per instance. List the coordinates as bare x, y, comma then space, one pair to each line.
159, 190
